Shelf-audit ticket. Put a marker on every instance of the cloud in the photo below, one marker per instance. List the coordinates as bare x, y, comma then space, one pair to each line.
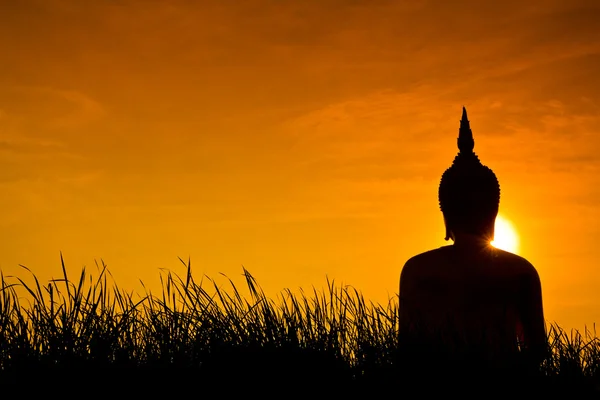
58, 108
36, 132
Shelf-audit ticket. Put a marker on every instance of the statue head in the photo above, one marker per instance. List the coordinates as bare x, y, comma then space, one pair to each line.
469, 192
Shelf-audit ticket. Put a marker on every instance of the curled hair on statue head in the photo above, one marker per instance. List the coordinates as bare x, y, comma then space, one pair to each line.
472, 214
469, 192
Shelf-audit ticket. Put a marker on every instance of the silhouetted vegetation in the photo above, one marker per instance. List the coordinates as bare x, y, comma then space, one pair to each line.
199, 336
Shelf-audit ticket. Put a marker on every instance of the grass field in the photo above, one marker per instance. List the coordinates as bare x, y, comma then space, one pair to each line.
197, 335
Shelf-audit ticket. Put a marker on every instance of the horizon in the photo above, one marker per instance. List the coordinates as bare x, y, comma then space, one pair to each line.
303, 141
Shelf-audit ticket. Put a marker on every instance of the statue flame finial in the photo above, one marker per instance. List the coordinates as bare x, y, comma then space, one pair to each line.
465, 135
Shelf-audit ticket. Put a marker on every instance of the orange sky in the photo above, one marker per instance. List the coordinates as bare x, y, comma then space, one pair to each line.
301, 139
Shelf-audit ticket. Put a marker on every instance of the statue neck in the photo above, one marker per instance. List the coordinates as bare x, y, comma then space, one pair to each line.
467, 240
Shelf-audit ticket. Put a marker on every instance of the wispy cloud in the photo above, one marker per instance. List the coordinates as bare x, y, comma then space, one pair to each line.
57, 108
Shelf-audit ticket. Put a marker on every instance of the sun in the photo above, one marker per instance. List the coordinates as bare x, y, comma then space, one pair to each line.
505, 235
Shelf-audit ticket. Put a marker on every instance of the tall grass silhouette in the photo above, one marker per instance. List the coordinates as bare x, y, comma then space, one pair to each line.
333, 337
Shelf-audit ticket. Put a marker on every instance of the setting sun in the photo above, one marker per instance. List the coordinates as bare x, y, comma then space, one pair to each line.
505, 235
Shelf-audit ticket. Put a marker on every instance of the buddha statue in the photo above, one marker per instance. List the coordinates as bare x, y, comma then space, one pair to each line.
469, 297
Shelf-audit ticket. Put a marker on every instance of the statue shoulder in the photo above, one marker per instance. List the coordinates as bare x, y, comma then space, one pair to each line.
424, 260
519, 265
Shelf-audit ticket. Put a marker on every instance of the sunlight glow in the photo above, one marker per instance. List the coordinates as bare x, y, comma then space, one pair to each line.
505, 235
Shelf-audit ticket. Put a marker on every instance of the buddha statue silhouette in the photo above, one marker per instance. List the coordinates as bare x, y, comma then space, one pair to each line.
470, 297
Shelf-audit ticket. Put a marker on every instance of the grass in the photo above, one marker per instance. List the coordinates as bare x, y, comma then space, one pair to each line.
196, 333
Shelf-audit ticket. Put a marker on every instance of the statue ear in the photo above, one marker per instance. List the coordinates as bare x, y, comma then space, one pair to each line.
449, 234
